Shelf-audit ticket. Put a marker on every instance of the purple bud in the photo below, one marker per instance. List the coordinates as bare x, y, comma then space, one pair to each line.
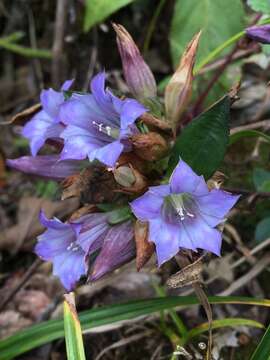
118, 248
138, 75
48, 166
259, 33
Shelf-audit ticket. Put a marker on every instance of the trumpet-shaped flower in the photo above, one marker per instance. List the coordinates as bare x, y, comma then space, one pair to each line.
98, 124
67, 245
46, 123
47, 166
183, 213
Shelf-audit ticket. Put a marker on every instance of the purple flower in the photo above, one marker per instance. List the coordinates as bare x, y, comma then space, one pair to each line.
118, 248
138, 75
259, 33
68, 245
58, 245
183, 213
46, 123
98, 124
48, 166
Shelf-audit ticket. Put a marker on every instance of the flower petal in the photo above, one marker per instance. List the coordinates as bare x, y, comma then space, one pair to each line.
165, 236
39, 129
118, 248
214, 206
48, 166
184, 179
94, 230
130, 112
107, 154
69, 267
51, 101
67, 85
78, 143
147, 206
202, 235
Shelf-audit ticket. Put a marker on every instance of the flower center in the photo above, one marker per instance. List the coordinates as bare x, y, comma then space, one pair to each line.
73, 246
178, 207
107, 130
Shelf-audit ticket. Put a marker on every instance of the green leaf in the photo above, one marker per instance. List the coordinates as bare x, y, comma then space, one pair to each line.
262, 231
72, 328
99, 10
218, 19
202, 144
248, 133
262, 351
260, 5
261, 179
228, 322
119, 215
48, 331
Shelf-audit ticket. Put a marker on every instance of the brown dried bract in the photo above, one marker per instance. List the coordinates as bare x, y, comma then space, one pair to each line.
91, 186
151, 146
144, 248
190, 274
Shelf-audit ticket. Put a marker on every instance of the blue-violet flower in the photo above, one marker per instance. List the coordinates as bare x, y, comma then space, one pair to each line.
98, 124
46, 123
183, 213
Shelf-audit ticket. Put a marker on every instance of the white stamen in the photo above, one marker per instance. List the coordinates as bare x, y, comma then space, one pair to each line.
72, 247
104, 129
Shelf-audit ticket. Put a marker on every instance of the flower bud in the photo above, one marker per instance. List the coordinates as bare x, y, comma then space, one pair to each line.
48, 166
124, 176
151, 146
144, 248
178, 91
259, 33
131, 180
138, 75
118, 248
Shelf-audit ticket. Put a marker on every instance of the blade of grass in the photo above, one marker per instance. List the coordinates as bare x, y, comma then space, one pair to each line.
72, 328
248, 133
45, 332
229, 322
262, 351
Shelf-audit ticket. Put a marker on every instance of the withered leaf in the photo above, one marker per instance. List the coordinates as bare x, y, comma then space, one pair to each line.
25, 115
190, 274
144, 248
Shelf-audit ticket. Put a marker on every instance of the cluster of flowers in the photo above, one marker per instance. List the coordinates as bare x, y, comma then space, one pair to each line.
99, 126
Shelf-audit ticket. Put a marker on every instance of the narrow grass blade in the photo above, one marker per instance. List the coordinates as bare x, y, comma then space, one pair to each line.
45, 332
248, 133
262, 351
229, 322
72, 328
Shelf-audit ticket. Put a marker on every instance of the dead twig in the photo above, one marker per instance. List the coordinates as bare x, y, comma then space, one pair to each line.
58, 43
255, 271
29, 273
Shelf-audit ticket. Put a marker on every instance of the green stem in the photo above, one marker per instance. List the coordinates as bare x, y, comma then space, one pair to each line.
152, 25
213, 54
7, 44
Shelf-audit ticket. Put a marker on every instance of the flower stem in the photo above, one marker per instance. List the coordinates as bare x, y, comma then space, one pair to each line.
8, 44
152, 25
213, 54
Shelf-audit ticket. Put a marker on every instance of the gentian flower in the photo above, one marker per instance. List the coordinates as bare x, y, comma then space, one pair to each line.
118, 248
47, 166
260, 33
98, 124
67, 249
183, 213
138, 75
46, 123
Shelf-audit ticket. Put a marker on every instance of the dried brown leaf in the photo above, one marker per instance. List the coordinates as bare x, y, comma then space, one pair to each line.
144, 248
